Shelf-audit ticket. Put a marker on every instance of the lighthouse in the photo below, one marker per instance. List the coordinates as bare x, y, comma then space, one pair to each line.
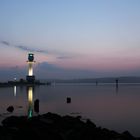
30, 77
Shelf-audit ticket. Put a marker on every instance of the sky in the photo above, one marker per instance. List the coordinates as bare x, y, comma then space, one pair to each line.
70, 38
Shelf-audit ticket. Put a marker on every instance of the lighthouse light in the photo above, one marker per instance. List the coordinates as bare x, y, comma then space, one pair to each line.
30, 57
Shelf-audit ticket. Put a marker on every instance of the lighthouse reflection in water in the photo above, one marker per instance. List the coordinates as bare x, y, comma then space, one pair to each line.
33, 106
30, 101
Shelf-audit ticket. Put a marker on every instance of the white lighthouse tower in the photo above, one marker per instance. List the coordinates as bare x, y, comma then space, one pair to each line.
30, 77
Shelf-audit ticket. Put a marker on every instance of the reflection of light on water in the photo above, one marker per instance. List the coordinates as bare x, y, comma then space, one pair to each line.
30, 101
15, 90
30, 95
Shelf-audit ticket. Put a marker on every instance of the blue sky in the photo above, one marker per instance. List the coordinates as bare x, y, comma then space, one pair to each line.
81, 38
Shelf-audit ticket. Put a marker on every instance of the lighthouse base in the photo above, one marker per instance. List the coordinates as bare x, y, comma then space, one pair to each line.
30, 79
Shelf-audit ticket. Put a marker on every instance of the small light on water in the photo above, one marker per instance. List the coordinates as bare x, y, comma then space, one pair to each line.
15, 90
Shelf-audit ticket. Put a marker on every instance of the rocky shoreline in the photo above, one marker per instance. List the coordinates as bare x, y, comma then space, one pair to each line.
51, 126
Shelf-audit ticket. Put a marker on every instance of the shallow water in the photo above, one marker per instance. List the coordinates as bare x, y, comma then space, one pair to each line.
117, 109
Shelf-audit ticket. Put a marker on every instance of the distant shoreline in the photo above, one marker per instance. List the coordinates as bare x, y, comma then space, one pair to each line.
11, 83
111, 80
100, 80
65, 82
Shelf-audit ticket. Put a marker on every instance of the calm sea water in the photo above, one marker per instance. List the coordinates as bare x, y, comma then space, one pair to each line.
117, 109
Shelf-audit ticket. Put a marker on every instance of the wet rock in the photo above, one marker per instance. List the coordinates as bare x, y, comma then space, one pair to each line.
36, 105
68, 100
10, 109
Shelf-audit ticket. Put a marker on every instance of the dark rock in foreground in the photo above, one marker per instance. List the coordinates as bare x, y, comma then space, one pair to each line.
54, 127
10, 109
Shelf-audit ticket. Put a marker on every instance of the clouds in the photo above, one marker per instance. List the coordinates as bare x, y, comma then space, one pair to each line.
47, 70
24, 48
45, 66
44, 70
64, 57
28, 49
56, 53
5, 43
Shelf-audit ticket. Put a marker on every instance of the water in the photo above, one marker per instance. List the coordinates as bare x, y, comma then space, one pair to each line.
117, 109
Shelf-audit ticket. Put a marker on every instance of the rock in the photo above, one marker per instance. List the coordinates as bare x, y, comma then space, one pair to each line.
14, 121
90, 123
10, 109
68, 100
36, 105
127, 135
51, 126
